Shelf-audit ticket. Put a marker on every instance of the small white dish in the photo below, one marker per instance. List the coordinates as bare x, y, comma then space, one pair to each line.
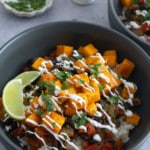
10, 9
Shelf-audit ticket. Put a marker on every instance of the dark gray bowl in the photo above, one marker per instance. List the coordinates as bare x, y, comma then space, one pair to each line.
114, 11
41, 40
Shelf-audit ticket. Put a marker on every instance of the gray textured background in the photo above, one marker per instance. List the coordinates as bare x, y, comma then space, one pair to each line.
96, 13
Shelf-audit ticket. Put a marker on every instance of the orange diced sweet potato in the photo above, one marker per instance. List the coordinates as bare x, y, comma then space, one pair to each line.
37, 103
80, 66
54, 121
93, 60
38, 63
64, 49
80, 100
92, 108
134, 119
109, 79
88, 50
33, 120
70, 109
48, 77
125, 68
125, 92
63, 94
110, 57
126, 3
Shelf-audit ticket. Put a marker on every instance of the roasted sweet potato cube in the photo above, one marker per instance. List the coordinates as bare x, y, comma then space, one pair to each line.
127, 3
107, 78
38, 63
91, 108
33, 120
48, 77
54, 121
93, 97
80, 66
64, 49
37, 103
125, 93
134, 119
125, 68
58, 83
79, 80
79, 100
69, 109
63, 94
110, 57
88, 50
93, 60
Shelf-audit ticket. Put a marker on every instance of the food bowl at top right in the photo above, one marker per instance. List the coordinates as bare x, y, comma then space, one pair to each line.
131, 17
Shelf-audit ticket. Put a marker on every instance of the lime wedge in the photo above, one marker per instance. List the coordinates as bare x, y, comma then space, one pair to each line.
13, 99
28, 77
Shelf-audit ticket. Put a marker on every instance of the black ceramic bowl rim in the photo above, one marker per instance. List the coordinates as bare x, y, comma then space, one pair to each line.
111, 3
4, 139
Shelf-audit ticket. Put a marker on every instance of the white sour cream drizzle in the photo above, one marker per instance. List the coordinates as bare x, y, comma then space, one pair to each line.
41, 139
43, 67
97, 138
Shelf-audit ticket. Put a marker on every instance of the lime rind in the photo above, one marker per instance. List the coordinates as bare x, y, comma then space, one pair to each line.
13, 99
28, 77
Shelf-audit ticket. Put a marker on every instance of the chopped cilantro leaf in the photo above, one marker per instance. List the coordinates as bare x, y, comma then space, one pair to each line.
94, 69
79, 121
113, 100
51, 88
40, 112
64, 86
63, 75
49, 103
101, 86
81, 81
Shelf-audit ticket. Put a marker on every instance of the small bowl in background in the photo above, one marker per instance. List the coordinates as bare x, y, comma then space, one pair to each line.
114, 11
48, 4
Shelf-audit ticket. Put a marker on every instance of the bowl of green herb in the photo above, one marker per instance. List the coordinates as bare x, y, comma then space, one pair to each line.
26, 8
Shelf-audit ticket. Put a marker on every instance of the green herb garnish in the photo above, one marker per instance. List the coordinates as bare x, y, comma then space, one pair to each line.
81, 81
64, 86
79, 121
51, 88
101, 86
113, 100
63, 75
26, 5
94, 69
136, 2
49, 103
53, 124
40, 112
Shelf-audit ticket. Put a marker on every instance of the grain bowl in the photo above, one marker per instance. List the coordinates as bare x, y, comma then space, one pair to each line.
95, 125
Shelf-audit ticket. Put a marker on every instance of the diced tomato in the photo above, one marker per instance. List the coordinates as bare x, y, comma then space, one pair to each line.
93, 147
18, 132
145, 27
34, 142
90, 130
85, 144
107, 146
148, 40
142, 1
32, 148
108, 136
